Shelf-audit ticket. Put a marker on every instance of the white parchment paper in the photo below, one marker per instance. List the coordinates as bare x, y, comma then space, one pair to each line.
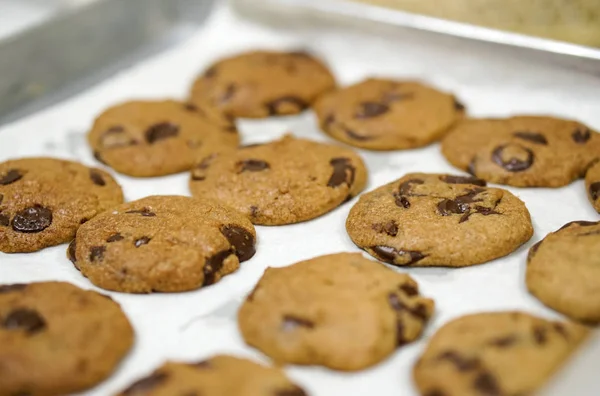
197, 324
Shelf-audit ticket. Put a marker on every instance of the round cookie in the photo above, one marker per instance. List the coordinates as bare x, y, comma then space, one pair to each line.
438, 220
286, 181
500, 353
592, 185
341, 311
523, 151
162, 244
44, 200
221, 375
57, 339
260, 84
563, 270
156, 138
380, 114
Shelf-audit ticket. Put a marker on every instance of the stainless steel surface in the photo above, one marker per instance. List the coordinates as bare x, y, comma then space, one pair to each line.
81, 44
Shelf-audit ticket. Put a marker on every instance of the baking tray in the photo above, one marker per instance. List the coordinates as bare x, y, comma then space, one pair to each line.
192, 326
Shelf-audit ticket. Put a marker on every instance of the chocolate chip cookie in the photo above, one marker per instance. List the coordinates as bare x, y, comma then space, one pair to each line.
523, 151
162, 244
341, 311
260, 84
500, 353
592, 185
219, 376
156, 138
282, 182
563, 270
438, 220
380, 114
44, 200
57, 339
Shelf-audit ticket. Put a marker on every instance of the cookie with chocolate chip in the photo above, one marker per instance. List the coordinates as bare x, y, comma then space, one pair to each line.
260, 84
592, 185
57, 339
524, 151
162, 244
44, 200
563, 270
499, 353
340, 311
438, 220
220, 375
286, 181
380, 114
156, 138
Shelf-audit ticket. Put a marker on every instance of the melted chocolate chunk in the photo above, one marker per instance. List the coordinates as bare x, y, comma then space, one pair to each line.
13, 287
419, 311
295, 391
145, 385
460, 362
115, 238
409, 289
581, 135
595, 190
24, 319
448, 207
539, 335
252, 165
401, 201
72, 250
164, 130
450, 179
390, 228
353, 135
33, 219
389, 254
400, 339
504, 342
273, 106
371, 110
10, 177
405, 187
4, 220
487, 384
241, 240
142, 241
213, 265
291, 322
145, 212
97, 178
513, 164
343, 172
97, 253
532, 137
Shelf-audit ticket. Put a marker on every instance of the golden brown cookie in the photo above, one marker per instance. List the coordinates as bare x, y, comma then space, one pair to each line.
592, 185
259, 84
162, 244
438, 220
524, 151
286, 181
563, 270
44, 200
380, 114
221, 375
500, 353
341, 311
57, 339
156, 138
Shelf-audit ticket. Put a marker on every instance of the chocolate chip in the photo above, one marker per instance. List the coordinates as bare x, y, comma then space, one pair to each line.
291, 322
71, 251
406, 187
4, 220
539, 335
241, 240
458, 106
419, 311
370, 110
33, 219
114, 137
532, 137
24, 319
485, 211
213, 265
13, 287
471, 167
448, 207
390, 228
191, 107
595, 190
252, 165
356, 136
534, 250
402, 202
343, 172
581, 135
146, 212
504, 342
460, 362
253, 211
203, 364
115, 238
161, 131
295, 391
145, 385
97, 253
142, 241
486, 384
400, 339
513, 164
409, 289
390, 254
274, 106
450, 179
580, 223
469, 195
10, 177
97, 178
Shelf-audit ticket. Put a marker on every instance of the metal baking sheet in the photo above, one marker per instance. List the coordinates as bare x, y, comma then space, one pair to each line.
192, 326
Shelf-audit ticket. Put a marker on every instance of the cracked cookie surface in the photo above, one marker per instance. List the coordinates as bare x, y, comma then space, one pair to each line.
438, 220
495, 354
162, 244
282, 182
260, 84
341, 311
43, 201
